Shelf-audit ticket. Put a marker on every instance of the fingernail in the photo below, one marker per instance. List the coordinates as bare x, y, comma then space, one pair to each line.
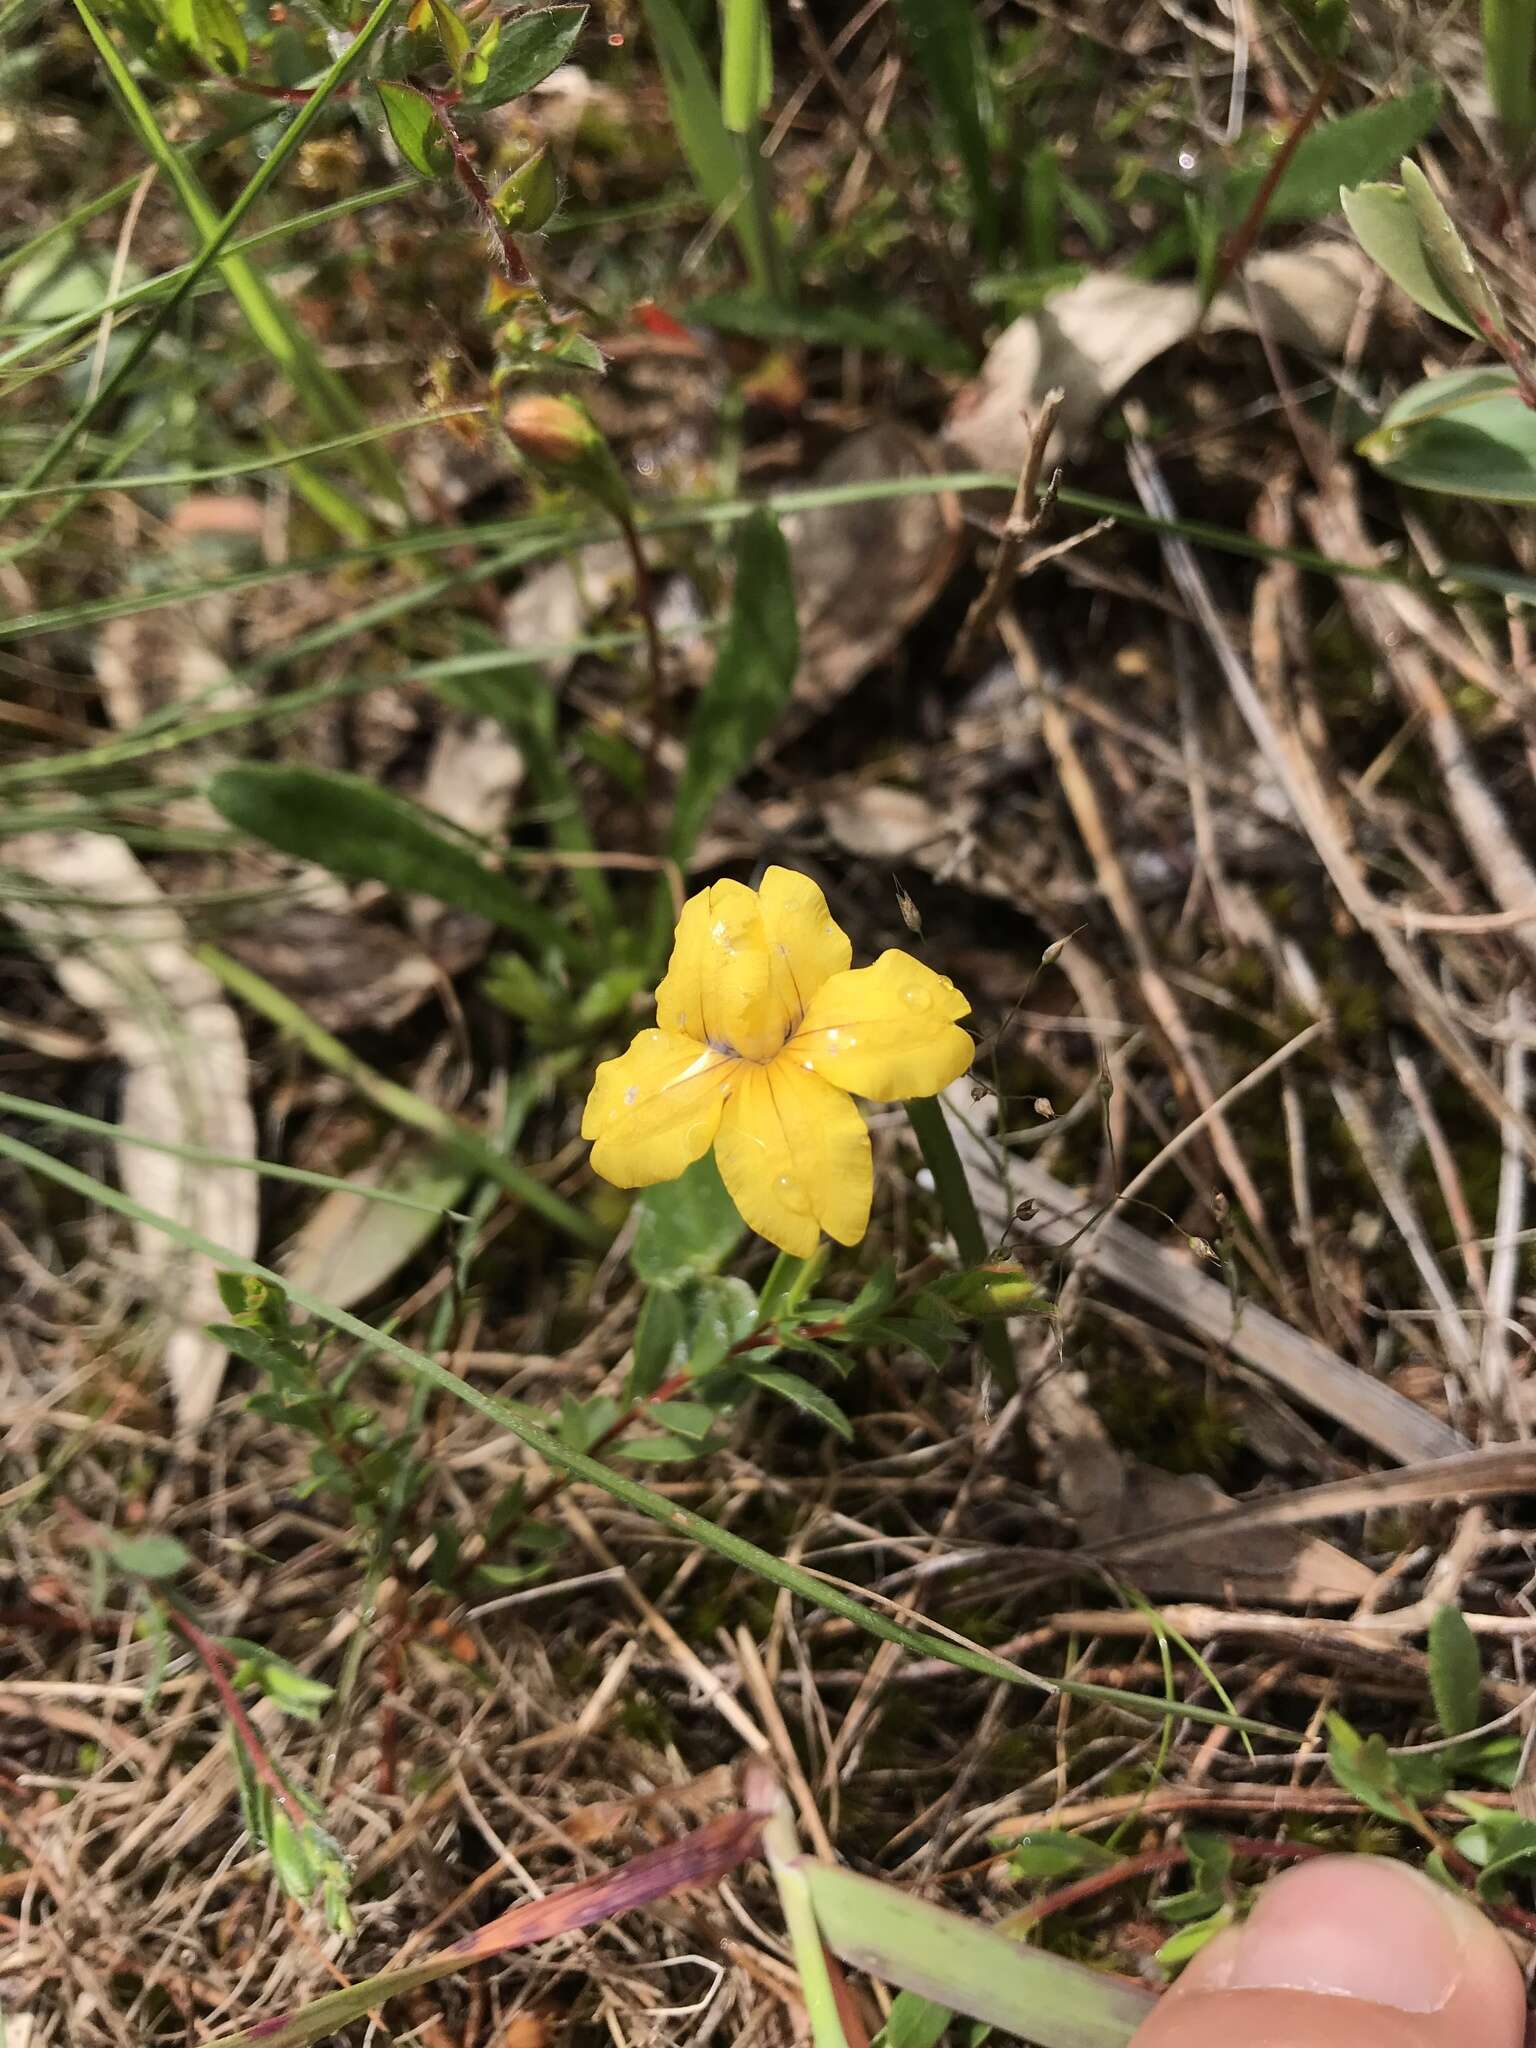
1355, 1927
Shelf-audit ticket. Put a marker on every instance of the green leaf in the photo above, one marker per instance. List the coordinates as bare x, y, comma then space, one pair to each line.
663, 1450
1509, 63
414, 127
946, 42
753, 678
658, 1341
913, 2023
1383, 223
344, 823
891, 330
210, 29
1366, 1769
1449, 259
724, 1310
1467, 434
957, 1962
746, 64
1455, 1672
687, 1225
714, 154
800, 1393
692, 1420
1048, 1853
149, 1556
1189, 1941
1343, 152
529, 47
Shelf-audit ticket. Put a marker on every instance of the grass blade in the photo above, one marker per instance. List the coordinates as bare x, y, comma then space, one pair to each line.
806, 1585
288, 347
944, 42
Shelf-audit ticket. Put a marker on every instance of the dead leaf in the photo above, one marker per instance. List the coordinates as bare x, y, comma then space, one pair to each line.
185, 1077
349, 973
1093, 338
865, 572
882, 822
349, 1246
1109, 1495
474, 772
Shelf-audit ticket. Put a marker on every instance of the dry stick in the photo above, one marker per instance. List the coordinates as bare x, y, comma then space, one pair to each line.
1447, 1174
1091, 823
1494, 1362
1334, 520
962, 312
1025, 514
1307, 799
655, 671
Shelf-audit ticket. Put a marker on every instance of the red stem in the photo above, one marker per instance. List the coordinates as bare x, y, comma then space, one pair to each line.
215, 1661
1236, 252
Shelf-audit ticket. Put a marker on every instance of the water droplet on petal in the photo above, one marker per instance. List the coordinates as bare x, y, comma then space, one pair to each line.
792, 1195
809, 1066
631, 1096
917, 997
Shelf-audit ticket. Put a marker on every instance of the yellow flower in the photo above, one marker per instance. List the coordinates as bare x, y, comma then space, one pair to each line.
762, 1033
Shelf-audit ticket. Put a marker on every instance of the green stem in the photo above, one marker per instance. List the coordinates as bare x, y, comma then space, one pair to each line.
959, 1206
402, 1104
782, 1850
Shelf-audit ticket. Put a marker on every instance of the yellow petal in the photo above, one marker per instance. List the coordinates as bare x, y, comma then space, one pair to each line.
805, 947
794, 1153
719, 986
886, 1031
656, 1108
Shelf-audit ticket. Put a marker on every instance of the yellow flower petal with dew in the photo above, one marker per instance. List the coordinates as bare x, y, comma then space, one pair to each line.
887, 1031
795, 1157
656, 1108
805, 947
719, 986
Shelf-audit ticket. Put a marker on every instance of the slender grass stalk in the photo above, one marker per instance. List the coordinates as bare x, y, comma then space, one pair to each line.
199, 1155
216, 236
682, 1522
403, 1104
782, 1849
959, 1206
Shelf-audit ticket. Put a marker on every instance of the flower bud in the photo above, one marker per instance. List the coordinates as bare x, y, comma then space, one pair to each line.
563, 443
528, 198
987, 1291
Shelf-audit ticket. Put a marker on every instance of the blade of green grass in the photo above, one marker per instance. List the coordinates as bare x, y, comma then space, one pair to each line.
199, 1155
944, 41
165, 280
284, 341
560, 534
715, 156
682, 1522
251, 465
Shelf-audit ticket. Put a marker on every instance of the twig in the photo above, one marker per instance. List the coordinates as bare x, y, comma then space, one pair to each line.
656, 675
1505, 1265
1028, 509
1236, 252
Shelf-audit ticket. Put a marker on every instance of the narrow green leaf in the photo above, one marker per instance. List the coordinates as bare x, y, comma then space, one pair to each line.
892, 330
658, 1341
913, 2023
414, 127
1455, 1672
752, 682
211, 30
687, 1226
1383, 223
973, 1969
746, 76
946, 42
1344, 152
344, 823
528, 48
1509, 63
800, 1393
713, 154
1047, 1853
1450, 260
1324, 23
